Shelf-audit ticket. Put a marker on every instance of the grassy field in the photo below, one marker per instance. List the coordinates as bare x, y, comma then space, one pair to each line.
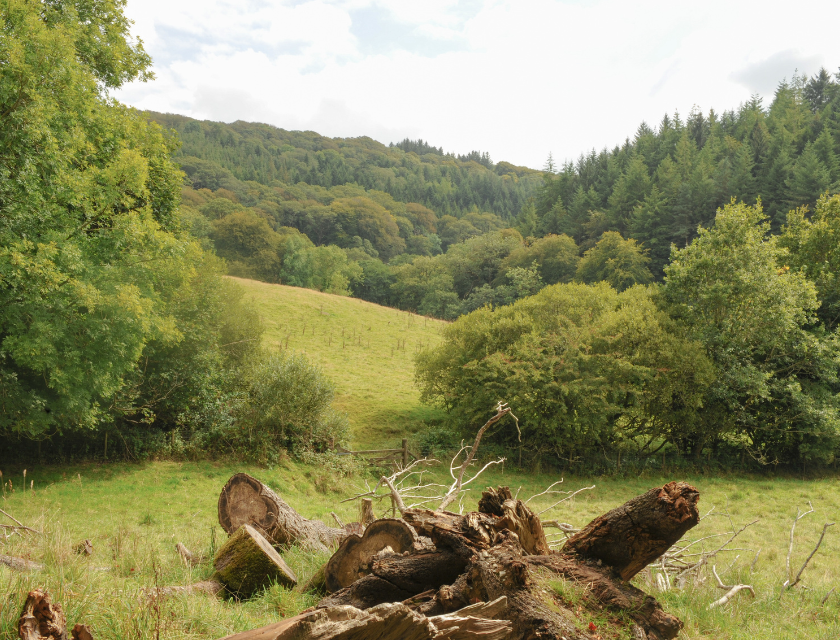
134, 515
366, 349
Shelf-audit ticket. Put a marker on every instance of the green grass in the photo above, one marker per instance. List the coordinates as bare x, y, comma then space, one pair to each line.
367, 350
134, 515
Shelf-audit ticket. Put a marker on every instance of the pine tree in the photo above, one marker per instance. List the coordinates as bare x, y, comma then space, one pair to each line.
808, 180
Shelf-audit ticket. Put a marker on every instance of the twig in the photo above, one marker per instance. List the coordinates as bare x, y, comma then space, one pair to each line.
826, 596
549, 490
19, 524
566, 498
337, 520
752, 566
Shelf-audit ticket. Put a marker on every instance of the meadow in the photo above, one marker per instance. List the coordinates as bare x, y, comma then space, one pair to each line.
134, 514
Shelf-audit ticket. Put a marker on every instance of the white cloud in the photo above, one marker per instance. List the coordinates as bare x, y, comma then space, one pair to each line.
517, 79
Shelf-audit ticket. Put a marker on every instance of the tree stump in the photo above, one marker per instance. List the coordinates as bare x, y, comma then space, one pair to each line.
366, 516
247, 563
41, 619
354, 557
246, 500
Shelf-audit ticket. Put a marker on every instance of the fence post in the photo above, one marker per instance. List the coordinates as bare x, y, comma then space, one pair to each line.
405, 452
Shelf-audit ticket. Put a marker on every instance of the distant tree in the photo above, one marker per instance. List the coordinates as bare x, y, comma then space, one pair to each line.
619, 262
555, 258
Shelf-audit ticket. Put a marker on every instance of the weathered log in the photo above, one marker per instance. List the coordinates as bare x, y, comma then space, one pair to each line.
499, 553
20, 564
247, 563
631, 536
41, 619
366, 516
246, 500
383, 622
354, 557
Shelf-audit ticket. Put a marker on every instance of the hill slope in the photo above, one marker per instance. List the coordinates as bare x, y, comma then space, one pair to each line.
366, 349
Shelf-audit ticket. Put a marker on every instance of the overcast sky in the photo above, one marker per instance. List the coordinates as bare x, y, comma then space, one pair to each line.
515, 78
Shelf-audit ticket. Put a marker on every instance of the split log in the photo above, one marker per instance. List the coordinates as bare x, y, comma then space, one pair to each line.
247, 563
20, 564
633, 535
499, 552
355, 555
41, 619
384, 622
246, 500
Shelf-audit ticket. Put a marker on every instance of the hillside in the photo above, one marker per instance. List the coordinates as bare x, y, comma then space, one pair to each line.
366, 349
216, 154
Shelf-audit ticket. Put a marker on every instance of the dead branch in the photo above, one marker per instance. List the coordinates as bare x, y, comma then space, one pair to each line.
189, 558
569, 497
547, 491
19, 525
502, 409
20, 564
731, 594
788, 584
827, 596
792, 529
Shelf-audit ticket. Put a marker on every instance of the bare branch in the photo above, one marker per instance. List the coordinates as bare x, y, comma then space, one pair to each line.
792, 529
827, 595
549, 490
19, 524
788, 584
566, 498
731, 594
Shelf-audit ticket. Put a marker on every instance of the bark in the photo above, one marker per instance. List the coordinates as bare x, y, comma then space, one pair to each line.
354, 558
246, 500
633, 535
247, 563
384, 622
41, 619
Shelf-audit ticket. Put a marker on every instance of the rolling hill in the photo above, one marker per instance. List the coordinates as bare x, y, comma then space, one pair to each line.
366, 349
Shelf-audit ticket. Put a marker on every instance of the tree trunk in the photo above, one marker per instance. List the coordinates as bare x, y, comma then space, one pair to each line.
354, 557
41, 619
247, 563
631, 536
366, 516
246, 500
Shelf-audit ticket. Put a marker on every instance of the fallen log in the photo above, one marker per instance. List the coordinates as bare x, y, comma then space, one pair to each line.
246, 500
247, 563
501, 551
355, 555
20, 564
41, 619
384, 622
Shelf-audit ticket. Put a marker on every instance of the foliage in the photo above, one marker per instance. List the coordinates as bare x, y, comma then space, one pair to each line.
621, 263
776, 383
584, 365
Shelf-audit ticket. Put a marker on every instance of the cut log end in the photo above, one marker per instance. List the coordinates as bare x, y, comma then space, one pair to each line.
356, 554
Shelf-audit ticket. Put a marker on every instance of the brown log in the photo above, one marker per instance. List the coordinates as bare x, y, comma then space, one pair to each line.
247, 563
354, 557
384, 622
515, 516
82, 632
366, 516
246, 500
41, 619
20, 564
633, 535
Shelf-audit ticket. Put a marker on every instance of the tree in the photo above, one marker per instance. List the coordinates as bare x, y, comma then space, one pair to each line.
733, 291
619, 262
555, 257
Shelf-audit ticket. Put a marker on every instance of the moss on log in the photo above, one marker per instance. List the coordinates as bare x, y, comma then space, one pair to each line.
247, 563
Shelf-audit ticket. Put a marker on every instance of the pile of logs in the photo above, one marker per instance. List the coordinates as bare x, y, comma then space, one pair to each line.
438, 574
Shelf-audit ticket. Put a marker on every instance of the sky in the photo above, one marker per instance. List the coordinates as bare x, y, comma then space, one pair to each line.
518, 79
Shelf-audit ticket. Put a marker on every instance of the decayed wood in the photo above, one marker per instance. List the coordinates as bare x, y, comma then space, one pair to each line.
631, 536
515, 516
246, 500
355, 555
82, 632
247, 563
383, 622
20, 564
41, 619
